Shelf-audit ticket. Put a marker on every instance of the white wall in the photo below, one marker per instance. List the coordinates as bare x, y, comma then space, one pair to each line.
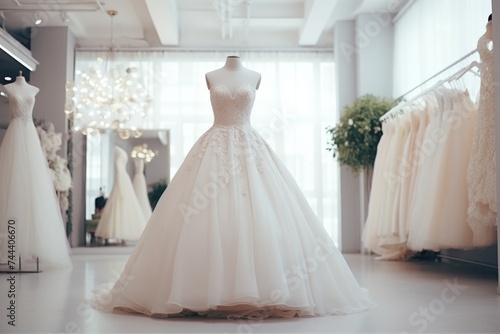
53, 48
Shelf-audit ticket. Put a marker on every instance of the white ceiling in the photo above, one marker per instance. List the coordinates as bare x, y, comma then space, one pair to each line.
193, 24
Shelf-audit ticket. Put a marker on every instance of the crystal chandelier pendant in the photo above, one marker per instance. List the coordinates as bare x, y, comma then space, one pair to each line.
108, 96
143, 152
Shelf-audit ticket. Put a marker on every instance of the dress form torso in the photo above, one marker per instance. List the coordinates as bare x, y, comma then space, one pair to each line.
233, 75
21, 96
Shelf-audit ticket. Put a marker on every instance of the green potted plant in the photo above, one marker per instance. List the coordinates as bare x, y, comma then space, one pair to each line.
354, 139
156, 190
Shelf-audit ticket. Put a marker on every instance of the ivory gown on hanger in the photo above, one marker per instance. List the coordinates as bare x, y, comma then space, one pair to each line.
233, 235
27, 195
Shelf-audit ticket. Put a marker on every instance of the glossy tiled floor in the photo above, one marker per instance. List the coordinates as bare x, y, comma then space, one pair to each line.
414, 296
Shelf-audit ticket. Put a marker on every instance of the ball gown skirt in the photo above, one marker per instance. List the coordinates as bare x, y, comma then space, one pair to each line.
29, 210
233, 236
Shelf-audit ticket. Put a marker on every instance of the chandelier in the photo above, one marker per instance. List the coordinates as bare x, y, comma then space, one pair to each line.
143, 152
108, 97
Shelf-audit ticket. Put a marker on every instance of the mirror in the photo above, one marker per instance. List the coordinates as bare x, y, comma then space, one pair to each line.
100, 164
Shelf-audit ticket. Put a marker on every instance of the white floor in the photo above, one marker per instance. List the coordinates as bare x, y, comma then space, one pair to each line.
413, 296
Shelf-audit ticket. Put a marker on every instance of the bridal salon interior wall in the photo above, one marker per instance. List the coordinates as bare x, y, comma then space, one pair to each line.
363, 63
53, 47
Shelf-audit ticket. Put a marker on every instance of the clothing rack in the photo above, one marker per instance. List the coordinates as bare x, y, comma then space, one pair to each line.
438, 73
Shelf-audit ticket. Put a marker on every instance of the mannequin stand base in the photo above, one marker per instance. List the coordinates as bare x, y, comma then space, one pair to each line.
11, 268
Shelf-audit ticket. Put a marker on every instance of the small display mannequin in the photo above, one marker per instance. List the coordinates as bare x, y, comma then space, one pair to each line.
30, 217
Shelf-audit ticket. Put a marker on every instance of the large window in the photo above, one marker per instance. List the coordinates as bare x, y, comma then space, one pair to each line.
431, 35
294, 104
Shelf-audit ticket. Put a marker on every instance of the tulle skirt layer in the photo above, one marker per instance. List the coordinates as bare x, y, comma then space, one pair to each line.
233, 236
31, 224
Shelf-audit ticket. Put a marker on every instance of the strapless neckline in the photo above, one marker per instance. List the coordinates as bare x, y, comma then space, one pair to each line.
230, 92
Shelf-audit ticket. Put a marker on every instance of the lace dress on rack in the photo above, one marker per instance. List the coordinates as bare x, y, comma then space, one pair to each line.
481, 174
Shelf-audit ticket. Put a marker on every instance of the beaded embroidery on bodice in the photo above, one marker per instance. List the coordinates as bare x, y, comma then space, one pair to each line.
486, 99
22, 107
231, 138
232, 108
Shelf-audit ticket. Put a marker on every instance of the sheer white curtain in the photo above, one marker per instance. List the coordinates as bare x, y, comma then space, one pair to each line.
295, 102
431, 35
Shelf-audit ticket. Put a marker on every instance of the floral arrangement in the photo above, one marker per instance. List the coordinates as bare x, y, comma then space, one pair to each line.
355, 138
51, 142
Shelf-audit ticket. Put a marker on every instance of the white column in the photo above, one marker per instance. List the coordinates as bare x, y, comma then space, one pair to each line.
363, 52
53, 47
345, 71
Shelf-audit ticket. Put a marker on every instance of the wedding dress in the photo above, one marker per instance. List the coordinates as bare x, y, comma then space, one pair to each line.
481, 174
140, 187
122, 217
233, 236
31, 224
439, 216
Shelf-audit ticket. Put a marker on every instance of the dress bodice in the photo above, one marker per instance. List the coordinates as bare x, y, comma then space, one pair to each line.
120, 158
21, 105
232, 107
139, 166
486, 71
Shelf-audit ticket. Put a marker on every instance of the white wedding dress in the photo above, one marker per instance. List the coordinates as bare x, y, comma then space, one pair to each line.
140, 187
481, 174
122, 217
233, 236
31, 224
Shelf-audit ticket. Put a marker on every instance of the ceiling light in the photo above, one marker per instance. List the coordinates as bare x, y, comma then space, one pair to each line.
108, 96
17, 51
37, 19
64, 17
8, 78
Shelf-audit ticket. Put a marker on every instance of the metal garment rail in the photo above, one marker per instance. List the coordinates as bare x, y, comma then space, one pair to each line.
438, 73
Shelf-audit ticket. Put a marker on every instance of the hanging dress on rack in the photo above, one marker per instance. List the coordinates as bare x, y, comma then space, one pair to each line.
439, 218
481, 174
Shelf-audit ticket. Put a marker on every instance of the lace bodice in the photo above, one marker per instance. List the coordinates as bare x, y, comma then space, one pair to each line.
486, 67
21, 105
232, 108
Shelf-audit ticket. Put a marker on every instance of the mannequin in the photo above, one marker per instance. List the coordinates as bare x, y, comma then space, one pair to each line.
122, 217
28, 199
20, 88
233, 75
228, 228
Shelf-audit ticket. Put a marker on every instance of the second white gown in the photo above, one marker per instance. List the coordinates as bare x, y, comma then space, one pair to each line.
122, 217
